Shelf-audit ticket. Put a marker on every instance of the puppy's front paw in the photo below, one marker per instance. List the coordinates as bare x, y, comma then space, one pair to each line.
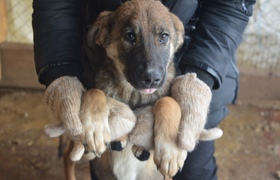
94, 117
168, 157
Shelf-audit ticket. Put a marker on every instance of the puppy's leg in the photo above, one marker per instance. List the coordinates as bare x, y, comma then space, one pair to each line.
121, 121
142, 136
168, 157
94, 117
69, 165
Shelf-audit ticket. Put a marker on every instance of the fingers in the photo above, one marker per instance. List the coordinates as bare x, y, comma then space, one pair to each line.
210, 134
63, 96
77, 152
54, 130
73, 125
121, 119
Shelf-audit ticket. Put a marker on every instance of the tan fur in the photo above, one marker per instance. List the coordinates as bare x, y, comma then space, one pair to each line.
110, 78
98, 132
167, 154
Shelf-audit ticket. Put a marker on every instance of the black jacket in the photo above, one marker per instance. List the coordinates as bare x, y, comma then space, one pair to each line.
213, 32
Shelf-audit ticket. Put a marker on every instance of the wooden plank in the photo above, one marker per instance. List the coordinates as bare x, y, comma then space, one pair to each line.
3, 26
3, 20
18, 67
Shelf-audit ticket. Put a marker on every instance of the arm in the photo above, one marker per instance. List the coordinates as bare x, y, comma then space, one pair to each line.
205, 62
216, 38
58, 46
57, 26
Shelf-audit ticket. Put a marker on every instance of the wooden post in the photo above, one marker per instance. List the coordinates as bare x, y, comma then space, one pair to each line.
3, 27
3, 21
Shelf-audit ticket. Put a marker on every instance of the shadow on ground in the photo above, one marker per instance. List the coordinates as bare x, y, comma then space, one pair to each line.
249, 149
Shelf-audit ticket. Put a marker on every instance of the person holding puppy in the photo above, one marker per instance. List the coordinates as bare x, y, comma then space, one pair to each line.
213, 32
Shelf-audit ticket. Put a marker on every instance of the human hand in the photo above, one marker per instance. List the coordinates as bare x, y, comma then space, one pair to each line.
194, 98
63, 96
103, 119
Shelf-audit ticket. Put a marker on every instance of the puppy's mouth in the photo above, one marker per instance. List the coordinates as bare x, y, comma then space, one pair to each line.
148, 91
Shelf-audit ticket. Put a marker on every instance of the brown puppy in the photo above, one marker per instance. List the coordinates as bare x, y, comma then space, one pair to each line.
131, 60
138, 41
129, 71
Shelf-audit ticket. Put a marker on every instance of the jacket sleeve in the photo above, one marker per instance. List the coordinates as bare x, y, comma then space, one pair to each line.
57, 38
216, 38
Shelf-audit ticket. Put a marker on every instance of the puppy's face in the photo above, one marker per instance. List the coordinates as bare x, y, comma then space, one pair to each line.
140, 37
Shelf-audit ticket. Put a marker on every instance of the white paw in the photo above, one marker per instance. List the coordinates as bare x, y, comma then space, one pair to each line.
96, 136
168, 157
94, 115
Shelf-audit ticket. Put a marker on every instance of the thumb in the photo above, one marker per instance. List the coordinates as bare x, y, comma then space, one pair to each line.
54, 130
121, 119
77, 151
63, 96
210, 134
73, 124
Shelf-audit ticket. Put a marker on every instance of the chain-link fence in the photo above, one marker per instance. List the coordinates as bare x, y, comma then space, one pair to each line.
19, 21
261, 41
260, 47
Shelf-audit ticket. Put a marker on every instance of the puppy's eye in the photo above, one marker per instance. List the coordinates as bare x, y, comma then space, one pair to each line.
130, 37
163, 38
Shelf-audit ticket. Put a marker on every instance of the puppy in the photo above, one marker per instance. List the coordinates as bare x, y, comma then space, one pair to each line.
131, 59
130, 69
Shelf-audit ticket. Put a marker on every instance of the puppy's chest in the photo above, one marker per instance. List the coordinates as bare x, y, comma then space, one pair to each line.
125, 166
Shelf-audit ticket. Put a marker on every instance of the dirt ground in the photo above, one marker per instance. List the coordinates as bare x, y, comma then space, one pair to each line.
249, 149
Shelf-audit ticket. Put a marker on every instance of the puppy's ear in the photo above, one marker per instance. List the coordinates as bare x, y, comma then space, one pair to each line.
98, 33
180, 32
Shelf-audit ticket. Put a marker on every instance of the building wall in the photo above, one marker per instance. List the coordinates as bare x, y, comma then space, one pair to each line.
261, 41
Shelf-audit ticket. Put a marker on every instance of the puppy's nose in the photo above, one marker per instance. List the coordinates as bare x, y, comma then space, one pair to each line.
151, 79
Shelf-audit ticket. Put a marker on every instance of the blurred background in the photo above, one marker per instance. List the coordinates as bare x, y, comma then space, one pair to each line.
249, 149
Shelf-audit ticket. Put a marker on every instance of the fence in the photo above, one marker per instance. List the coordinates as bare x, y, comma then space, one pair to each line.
260, 47
261, 42
19, 21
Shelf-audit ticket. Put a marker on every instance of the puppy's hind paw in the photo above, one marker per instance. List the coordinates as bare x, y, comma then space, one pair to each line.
140, 153
119, 144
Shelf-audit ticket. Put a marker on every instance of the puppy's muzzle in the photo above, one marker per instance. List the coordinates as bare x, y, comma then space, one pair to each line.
151, 79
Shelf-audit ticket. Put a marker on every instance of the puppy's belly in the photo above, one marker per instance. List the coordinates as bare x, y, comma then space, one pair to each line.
125, 165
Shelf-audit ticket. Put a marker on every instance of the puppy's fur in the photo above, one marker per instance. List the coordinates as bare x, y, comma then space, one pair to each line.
131, 60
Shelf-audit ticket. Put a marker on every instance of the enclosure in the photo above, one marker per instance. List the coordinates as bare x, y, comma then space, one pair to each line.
248, 150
